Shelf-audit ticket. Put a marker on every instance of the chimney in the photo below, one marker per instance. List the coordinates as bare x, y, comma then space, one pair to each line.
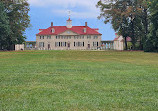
51, 24
86, 24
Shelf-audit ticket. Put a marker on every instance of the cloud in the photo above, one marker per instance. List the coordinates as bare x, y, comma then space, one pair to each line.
75, 14
64, 3
79, 8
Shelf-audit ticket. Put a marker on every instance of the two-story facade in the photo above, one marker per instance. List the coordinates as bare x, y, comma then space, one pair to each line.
68, 37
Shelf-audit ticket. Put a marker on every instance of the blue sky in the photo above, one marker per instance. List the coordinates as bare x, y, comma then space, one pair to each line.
43, 12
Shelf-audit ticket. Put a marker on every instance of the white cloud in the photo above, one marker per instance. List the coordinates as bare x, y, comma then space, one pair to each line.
79, 8
75, 14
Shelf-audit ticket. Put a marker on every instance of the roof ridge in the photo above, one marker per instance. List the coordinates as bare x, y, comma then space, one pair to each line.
76, 29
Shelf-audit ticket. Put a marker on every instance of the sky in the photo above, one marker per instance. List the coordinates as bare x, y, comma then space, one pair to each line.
43, 12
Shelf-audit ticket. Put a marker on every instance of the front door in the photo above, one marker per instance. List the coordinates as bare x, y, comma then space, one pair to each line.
68, 45
48, 46
89, 46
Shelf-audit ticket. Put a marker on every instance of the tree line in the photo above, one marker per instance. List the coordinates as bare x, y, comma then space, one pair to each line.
14, 20
137, 19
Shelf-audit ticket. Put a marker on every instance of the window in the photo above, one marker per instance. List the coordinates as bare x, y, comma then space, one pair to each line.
95, 37
59, 44
88, 37
65, 44
53, 30
56, 37
48, 37
84, 30
56, 44
95, 44
41, 37
41, 44
79, 44
66, 37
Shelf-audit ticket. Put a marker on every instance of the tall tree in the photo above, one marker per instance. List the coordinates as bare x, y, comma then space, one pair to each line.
152, 40
112, 11
17, 12
4, 26
125, 17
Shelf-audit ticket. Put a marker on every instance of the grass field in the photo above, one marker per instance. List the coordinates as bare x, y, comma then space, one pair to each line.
78, 81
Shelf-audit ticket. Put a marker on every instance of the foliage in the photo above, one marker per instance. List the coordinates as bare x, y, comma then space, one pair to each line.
78, 81
4, 25
152, 40
17, 13
128, 18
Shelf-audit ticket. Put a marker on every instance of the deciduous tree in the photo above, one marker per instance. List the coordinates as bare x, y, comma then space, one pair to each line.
4, 26
128, 18
17, 12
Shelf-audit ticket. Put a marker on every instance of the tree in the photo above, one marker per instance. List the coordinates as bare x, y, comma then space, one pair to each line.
112, 11
126, 17
122, 16
17, 12
151, 44
4, 26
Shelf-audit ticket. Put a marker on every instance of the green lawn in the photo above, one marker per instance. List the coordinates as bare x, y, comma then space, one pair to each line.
78, 80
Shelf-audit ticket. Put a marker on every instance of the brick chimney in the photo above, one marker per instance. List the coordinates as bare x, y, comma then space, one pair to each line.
86, 24
51, 24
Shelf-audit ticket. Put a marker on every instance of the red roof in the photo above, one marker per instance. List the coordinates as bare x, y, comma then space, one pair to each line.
115, 39
95, 28
128, 39
76, 29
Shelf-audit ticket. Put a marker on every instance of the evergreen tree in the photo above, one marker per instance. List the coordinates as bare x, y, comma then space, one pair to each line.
152, 40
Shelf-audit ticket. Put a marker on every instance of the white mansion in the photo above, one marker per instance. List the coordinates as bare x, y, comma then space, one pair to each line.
68, 37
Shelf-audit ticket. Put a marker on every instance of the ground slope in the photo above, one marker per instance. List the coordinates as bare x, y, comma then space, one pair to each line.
78, 80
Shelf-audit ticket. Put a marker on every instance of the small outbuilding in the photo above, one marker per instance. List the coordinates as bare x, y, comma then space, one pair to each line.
19, 47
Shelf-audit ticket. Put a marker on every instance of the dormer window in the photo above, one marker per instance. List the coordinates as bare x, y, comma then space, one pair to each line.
53, 30
84, 30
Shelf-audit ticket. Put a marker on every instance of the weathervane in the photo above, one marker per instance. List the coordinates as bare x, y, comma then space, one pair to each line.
69, 13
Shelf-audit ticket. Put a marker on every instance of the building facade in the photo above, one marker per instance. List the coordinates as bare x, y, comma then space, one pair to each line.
68, 37
118, 42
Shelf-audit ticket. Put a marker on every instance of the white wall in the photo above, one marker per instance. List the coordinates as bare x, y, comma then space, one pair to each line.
19, 47
119, 44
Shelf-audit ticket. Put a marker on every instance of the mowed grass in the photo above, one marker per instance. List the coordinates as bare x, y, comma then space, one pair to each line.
78, 81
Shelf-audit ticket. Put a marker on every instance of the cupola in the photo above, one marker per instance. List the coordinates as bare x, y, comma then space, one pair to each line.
69, 23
